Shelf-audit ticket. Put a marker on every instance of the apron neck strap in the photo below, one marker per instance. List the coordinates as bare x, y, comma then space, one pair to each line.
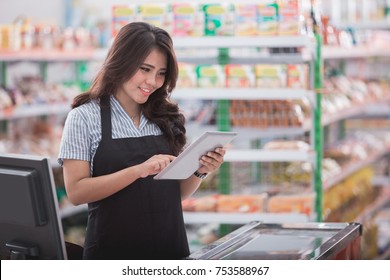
105, 112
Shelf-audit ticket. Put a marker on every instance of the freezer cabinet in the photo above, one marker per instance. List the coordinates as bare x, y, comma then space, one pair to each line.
306, 241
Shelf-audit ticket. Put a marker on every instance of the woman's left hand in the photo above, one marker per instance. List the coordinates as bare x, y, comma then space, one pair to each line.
212, 160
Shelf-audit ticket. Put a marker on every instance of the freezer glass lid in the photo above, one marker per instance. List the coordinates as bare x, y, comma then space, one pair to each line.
278, 243
258, 240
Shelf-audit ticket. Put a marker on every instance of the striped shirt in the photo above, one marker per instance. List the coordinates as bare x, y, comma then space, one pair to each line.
83, 130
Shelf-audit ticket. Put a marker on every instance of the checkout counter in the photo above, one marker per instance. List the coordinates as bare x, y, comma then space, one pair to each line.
306, 241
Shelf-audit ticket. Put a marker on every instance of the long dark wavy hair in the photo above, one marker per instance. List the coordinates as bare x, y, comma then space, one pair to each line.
129, 50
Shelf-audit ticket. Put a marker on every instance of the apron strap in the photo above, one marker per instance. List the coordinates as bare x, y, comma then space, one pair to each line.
105, 112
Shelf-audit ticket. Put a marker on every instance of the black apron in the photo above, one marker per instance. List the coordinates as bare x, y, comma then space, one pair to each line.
143, 220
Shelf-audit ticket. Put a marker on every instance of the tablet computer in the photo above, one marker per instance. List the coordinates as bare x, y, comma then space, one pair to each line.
187, 162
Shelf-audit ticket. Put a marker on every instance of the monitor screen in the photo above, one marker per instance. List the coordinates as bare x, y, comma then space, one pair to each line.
30, 225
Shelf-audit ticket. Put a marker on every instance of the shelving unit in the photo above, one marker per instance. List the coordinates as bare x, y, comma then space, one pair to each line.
311, 52
239, 93
380, 108
221, 95
352, 168
224, 95
226, 50
259, 155
366, 21
365, 24
43, 57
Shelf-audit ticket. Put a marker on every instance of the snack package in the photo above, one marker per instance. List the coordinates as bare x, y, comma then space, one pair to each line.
238, 75
187, 75
188, 19
289, 14
267, 18
122, 15
271, 75
286, 203
297, 76
219, 19
246, 20
158, 14
241, 203
201, 204
210, 76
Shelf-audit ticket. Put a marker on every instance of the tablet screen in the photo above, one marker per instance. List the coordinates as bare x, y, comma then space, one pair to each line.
185, 164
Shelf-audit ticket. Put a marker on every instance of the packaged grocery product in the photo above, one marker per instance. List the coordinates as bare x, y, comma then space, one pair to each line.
188, 19
4, 36
246, 20
329, 32
377, 91
296, 115
287, 145
298, 76
219, 19
27, 35
206, 203
267, 18
188, 204
210, 76
299, 173
271, 75
239, 75
345, 200
289, 17
158, 14
122, 15
187, 75
298, 203
5, 101
266, 113
241, 203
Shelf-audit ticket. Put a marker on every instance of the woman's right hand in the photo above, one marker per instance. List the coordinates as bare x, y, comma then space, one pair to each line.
155, 164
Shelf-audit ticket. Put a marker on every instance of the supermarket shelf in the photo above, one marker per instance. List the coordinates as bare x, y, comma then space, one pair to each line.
352, 168
342, 115
378, 108
54, 55
35, 110
272, 59
382, 200
372, 24
263, 132
269, 155
71, 210
329, 52
242, 218
248, 133
233, 42
241, 94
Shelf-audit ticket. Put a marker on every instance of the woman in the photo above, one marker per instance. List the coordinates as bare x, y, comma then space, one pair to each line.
118, 135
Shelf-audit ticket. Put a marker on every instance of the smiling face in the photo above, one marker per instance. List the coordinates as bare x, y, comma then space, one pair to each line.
149, 77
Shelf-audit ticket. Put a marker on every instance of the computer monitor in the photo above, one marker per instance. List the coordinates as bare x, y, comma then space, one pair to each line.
30, 225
